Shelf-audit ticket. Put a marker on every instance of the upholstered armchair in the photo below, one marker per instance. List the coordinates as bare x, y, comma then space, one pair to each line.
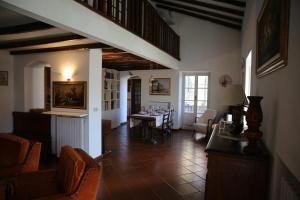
77, 177
202, 124
18, 155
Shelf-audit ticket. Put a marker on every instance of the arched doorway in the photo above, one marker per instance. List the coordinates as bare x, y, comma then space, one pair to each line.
37, 86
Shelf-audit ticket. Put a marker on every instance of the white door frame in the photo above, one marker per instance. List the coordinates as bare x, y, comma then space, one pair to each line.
184, 74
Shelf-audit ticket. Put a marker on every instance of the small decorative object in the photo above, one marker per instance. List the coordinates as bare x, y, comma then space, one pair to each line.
160, 86
272, 36
254, 117
234, 97
69, 94
225, 80
4, 78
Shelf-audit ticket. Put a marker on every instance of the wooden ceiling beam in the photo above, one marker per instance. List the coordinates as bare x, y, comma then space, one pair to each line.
210, 6
233, 2
124, 62
130, 67
201, 11
203, 17
39, 41
63, 48
24, 28
112, 50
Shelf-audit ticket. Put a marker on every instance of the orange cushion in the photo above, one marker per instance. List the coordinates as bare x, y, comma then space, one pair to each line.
70, 170
13, 150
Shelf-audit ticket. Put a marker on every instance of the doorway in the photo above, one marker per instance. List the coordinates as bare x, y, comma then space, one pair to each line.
47, 88
37, 86
195, 98
134, 95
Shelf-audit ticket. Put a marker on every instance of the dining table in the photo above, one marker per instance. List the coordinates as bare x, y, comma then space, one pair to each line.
143, 118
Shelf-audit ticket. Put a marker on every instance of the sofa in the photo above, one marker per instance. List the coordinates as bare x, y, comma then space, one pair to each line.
76, 177
18, 155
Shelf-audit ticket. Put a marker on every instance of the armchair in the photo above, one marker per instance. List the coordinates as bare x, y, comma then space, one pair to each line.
18, 155
77, 177
202, 124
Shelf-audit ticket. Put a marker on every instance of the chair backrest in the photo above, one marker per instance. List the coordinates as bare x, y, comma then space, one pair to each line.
208, 114
78, 174
70, 170
165, 120
171, 117
13, 150
18, 155
89, 184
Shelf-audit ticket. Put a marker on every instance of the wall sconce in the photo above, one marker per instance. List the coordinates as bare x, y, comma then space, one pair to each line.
67, 73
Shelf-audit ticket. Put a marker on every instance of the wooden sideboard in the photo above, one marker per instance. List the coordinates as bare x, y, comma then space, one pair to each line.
232, 174
34, 126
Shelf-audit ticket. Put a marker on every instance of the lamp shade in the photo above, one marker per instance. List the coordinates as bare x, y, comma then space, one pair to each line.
234, 95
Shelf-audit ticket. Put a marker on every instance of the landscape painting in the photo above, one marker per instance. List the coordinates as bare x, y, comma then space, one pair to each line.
69, 94
160, 86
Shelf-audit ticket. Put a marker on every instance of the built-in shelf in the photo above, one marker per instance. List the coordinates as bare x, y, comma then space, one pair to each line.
110, 89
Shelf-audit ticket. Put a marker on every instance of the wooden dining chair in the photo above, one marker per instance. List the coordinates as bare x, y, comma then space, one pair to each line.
165, 123
163, 129
171, 121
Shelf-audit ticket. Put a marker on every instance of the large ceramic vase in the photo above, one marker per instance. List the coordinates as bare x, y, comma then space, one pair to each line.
254, 117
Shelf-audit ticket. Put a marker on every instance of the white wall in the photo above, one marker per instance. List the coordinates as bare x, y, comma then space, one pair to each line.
86, 66
34, 86
94, 102
280, 91
146, 98
77, 60
118, 116
6, 93
205, 47
114, 116
208, 47
123, 95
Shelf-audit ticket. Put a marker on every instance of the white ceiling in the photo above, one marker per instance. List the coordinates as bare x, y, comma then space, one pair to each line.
11, 18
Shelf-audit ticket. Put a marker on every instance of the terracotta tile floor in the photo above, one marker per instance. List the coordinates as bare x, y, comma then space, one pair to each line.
171, 170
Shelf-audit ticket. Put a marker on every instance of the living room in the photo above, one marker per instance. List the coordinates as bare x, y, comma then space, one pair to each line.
206, 48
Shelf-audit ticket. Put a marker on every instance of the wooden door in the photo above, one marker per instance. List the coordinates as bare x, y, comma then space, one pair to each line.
136, 96
47, 86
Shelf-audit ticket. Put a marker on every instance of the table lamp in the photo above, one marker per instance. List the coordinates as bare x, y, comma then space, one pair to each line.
234, 97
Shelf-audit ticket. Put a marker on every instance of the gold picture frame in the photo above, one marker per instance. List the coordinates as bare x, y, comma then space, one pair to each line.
160, 86
272, 36
69, 94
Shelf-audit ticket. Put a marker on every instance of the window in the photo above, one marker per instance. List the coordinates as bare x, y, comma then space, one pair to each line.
247, 77
195, 94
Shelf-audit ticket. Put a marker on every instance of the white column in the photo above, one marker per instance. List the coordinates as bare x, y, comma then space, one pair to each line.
94, 102
123, 96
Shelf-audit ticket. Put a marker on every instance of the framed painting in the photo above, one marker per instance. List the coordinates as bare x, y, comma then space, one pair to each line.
4, 78
69, 94
160, 86
272, 36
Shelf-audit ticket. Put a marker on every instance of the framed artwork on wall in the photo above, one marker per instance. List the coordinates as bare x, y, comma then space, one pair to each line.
4, 78
272, 36
69, 94
160, 86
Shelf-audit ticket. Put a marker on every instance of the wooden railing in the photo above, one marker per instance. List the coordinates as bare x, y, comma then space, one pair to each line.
141, 18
